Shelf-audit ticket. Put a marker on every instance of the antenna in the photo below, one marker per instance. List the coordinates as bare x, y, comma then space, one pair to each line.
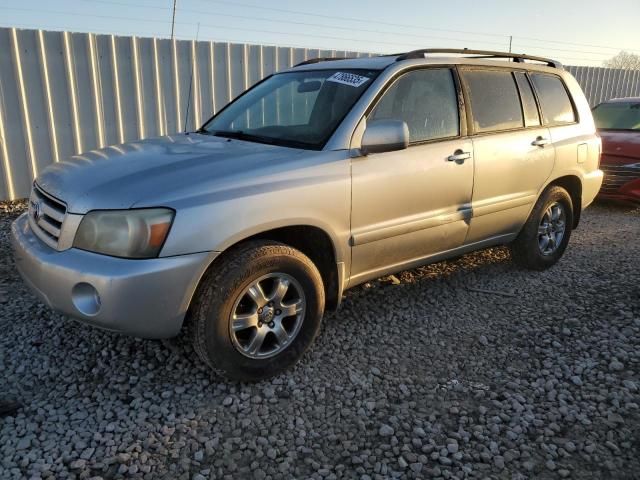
186, 115
173, 19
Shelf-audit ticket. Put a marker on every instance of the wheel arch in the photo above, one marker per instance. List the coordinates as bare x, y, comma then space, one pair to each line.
573, 185
311, 240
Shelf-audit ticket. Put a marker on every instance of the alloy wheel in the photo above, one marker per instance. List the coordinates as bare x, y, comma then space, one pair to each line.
552, 228
267, 316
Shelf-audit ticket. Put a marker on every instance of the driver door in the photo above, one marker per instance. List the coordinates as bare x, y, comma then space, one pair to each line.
410, 204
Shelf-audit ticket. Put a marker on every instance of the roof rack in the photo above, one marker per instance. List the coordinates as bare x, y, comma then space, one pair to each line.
516, 57
320, 59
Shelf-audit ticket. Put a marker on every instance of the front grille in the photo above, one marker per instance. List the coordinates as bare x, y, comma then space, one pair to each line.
46, 216
616, 176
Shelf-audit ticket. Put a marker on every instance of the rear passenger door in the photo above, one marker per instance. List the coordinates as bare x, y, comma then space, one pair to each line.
512, 150
559, 114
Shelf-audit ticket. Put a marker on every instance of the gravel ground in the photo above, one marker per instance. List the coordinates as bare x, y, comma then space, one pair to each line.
464, 369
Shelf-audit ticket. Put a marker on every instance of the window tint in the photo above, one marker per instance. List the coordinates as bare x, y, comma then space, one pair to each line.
426, 100
554, 100
529, 107
495, 104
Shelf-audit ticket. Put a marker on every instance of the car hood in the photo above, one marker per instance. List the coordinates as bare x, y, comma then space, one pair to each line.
618, 146
159, 170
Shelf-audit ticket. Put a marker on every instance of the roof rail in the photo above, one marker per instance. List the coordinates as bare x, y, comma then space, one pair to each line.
320, 59
517, 57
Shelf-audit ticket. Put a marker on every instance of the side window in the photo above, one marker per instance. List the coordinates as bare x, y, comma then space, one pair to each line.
426, 100
495, 104
554, 100
529, 107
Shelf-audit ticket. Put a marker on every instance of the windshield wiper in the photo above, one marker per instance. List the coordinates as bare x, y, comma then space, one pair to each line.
240, 135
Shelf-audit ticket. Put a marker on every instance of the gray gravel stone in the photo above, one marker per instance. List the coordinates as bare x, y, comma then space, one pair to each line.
79, 464
576, 380
23, 443
400, 384
616, 366
419, 431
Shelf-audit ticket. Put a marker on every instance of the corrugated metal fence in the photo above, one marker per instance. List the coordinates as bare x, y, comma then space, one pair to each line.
64, 93
600, 84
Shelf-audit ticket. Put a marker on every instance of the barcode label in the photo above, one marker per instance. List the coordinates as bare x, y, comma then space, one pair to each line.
350, 79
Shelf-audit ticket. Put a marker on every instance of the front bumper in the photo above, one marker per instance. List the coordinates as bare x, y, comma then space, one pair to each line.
144, 298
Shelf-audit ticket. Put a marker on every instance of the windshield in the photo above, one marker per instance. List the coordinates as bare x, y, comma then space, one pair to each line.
617, 116
296, 109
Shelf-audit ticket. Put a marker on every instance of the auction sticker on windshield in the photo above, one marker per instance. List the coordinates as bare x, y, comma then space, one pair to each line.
348, 79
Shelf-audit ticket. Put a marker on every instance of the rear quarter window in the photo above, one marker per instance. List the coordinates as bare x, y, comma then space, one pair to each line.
494, 98
555, 103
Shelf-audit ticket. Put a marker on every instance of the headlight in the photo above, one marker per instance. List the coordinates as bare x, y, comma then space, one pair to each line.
124, 233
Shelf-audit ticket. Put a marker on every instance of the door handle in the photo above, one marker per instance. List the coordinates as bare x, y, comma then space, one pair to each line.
459, 156
540, 142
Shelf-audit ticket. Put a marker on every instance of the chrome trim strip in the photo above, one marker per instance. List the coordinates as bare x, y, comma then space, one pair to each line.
46, 226
383, 231
52, 212
505, 202
41, 235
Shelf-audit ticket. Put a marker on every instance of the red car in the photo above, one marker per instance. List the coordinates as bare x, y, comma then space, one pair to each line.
618, 123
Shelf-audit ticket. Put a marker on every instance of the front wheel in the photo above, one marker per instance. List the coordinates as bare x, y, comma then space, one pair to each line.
545, 236
257, 311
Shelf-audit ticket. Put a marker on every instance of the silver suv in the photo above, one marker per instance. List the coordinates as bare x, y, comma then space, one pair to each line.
313, 181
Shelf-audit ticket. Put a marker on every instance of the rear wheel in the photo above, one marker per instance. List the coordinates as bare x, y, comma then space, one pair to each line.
257, 311
544, 238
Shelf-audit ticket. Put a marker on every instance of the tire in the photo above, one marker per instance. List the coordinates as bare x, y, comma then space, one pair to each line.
528, 249
229, 288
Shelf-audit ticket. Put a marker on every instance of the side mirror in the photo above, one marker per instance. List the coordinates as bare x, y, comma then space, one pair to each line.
384, 136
